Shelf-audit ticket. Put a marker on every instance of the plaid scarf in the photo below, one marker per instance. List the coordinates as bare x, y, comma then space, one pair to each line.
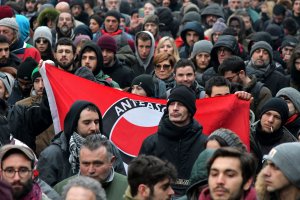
75, 143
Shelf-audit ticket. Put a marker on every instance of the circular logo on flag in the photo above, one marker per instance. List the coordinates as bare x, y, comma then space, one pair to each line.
128, 122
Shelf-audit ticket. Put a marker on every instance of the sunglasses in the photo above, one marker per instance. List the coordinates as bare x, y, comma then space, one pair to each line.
40, 40
165, 66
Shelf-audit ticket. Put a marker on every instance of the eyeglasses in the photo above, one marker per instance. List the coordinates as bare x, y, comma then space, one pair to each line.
11, 172
40, 40
232, 77
164, 66
223, 49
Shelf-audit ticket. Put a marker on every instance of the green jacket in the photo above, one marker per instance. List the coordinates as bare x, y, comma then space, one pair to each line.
114, 190
105, 79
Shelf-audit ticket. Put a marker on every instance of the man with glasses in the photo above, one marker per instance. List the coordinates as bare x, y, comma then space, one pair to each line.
234, 70
17, 169
225, 47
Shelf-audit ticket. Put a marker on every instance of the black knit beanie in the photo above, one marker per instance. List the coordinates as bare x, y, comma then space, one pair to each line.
146, 82
278, 105
25, 68
115, 14
184, 95
77, 2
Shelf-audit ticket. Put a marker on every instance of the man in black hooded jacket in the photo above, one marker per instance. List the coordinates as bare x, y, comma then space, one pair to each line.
191, 33
179, 138
225, 47
60, 160
91, 57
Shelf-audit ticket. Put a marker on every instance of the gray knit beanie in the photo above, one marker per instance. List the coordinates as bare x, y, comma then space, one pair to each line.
42, 32
262, 45
292, 94
231, 138
191, 16
286, 157
219, 26
10, 22
201, 46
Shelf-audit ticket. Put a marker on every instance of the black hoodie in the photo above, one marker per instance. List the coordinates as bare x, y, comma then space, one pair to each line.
185, 51
227, 41
54, 163
72, 117
98, 52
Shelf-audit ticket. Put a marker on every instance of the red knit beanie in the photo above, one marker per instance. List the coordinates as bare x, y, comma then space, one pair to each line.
107, 42
6, 11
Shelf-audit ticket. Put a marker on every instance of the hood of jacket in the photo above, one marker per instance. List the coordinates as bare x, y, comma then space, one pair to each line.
228, 41
72, 117
98, 52
145, 62
83, 30
260, 36
47, 14
24, 26
241, 33
199, 173
212, 9
192, 26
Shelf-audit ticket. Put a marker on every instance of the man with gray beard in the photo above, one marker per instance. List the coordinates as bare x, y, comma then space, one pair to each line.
64, 27
263, 67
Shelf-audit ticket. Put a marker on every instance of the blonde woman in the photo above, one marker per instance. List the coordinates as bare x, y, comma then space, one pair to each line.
167, 44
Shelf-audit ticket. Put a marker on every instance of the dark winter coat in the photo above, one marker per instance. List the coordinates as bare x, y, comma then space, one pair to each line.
120, 73
53, 163
261, 143
179, 145
26, 123
272, 79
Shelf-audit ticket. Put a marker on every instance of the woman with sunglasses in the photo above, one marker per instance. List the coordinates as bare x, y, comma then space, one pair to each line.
42, 40
163, 70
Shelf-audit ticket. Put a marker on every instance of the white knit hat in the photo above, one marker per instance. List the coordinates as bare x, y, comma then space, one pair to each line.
42, 32
9, 22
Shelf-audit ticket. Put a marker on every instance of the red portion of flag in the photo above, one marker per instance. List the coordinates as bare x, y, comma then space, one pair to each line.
127, 127
130, 140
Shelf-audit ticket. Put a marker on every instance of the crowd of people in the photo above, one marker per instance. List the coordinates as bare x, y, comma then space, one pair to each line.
176, 50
